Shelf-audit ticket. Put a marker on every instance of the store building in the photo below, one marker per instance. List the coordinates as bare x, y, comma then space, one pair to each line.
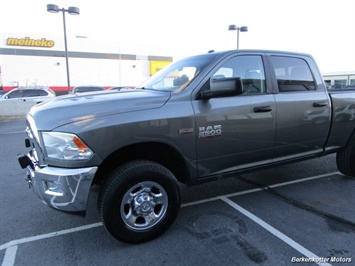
339, 80
40, 60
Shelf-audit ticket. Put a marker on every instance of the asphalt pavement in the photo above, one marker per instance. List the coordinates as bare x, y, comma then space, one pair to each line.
298, 213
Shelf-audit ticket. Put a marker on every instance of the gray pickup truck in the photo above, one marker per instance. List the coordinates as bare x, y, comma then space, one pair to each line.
201, 118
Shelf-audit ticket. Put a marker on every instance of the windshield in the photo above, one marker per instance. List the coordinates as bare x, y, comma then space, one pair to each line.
178, 75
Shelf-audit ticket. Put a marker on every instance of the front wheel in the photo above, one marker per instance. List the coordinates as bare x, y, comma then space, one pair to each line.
139, 201
346, 158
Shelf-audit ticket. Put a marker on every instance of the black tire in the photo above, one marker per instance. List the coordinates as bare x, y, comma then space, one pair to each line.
346, 158
139, 201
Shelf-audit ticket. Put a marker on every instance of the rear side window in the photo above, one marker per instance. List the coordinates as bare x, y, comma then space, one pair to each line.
42, 93
293, 74
35, 93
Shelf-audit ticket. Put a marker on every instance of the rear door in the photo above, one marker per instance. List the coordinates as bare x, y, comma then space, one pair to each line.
236, 132
302, 107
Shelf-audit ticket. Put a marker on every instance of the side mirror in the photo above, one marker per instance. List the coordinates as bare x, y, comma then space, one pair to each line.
223, 88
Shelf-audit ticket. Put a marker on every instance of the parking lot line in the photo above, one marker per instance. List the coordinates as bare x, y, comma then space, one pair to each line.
304, 179
273, 231
49, 235
235, 194
11, 247
10, 256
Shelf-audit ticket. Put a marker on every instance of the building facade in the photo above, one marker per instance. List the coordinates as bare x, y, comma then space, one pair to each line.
339, 80
40, 60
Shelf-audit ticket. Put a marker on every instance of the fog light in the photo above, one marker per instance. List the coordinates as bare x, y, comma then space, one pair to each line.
53, 188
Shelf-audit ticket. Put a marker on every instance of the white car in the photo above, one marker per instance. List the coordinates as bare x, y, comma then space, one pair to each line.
29, 94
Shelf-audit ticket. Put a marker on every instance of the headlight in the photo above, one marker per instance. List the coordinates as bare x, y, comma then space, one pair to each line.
65, 146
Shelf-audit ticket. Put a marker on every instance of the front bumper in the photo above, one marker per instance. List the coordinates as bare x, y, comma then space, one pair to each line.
60, 188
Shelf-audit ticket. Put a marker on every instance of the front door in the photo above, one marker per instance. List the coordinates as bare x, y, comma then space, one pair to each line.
238, 131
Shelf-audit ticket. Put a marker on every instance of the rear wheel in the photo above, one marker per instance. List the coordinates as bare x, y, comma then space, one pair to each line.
139, 201
346, 158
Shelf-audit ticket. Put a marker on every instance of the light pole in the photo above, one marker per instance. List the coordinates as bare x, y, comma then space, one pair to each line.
72, 11
238, 29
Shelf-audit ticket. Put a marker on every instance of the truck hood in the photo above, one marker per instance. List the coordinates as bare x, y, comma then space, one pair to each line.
73, 108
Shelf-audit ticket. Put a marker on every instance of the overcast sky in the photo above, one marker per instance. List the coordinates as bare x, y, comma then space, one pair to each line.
325, 29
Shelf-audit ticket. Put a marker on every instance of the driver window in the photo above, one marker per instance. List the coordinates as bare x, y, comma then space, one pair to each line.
247, 67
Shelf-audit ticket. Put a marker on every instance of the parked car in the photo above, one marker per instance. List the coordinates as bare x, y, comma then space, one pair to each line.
87, 88
35, 94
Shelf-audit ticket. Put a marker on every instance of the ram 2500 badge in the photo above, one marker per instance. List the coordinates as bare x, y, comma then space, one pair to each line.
204, 117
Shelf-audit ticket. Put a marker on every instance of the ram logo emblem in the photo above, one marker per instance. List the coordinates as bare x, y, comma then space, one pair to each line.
210, 131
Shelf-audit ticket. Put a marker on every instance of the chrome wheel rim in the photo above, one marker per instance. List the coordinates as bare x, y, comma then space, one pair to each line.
144, 205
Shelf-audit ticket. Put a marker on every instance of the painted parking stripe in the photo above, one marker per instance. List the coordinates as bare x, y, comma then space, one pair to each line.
304, 180
274, 231
11, 247
235, 194
49, 235
10, 256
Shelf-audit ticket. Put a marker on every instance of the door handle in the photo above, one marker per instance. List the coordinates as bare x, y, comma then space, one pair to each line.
320, 104
262, 109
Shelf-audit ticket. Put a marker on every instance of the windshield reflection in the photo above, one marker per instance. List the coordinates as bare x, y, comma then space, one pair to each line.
178, 75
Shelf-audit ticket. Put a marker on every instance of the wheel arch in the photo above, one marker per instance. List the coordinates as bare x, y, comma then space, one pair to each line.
157, 152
